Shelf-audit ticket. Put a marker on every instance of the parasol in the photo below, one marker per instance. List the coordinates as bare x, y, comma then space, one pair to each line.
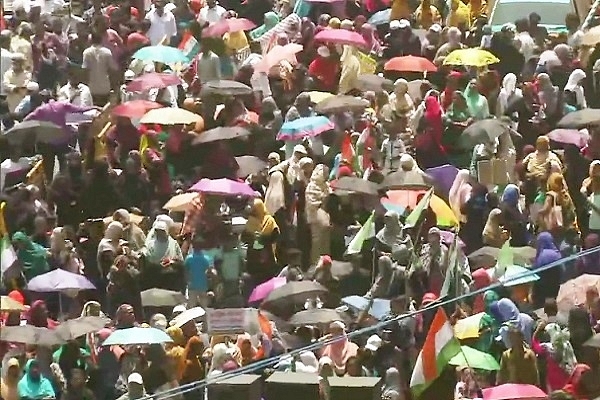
29, 334
514, 391
161, 54
379, 309
471, 57
569, 136
580, 118
73, 328
468, 328
278, 54
223, 187
249, 165
487, 256
157, 297
221, 133
484, 131
407, 180
226, 88
295, 292
180, 202
59, 280
444, 176
131, 336
318, 316
34, 130
381, 17
170, 116
341, 36
341, 103
572, 293
187, 316
472, 358
304, 128
356, 185
374, 82
153, 80
134, 108
218, 29
260, 292
317, 97
410, 64
402, 200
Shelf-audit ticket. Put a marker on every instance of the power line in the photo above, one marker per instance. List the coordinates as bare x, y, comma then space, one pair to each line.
370, 329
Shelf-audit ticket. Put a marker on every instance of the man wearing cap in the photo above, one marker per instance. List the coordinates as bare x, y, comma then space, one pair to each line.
5, 56
432, 41
401, 40
15, 81
75, 91
135, 388
453, 43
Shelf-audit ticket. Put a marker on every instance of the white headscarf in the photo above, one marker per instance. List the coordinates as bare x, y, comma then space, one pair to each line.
573, 85
508, 92
275, 194
392, 387
400, 100
316, 192
460, 193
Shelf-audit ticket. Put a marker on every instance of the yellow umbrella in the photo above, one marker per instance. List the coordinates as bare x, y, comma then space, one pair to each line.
8, 304
468, 328
170, 116
471, 57
180, 202
591, 37
317, 97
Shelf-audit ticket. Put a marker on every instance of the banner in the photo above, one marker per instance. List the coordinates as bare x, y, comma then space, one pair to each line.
368, 64
232, 320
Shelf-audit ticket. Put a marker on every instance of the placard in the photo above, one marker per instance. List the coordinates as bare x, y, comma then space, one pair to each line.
492, 172
232, 320
368, 64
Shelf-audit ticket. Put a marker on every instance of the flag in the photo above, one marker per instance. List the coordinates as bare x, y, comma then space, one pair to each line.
189, 46
8, 256
451, 277
439, 348
415, 214
367, 231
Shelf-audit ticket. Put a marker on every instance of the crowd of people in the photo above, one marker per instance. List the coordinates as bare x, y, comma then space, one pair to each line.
351, 177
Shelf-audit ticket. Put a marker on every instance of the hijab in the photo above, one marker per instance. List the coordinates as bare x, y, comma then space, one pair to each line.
546, 250
384, 279
492, 228
392, 387
476, 102
270, 21
334, 23
507, 314
31, 255
260, 220
511, 196
110, 242
508, 92
574, 85
8, 389
433, 116
341, 349
560, 347
192, 369
400, 100
157, 250
556, 184
547, 93
317, 191
34, 388
368, 33
460, 192
391, 233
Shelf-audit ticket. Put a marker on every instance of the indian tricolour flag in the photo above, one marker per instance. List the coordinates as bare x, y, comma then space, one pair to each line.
439, 348
189, 46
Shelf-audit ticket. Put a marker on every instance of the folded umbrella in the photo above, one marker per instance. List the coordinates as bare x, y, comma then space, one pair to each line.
356, 185
224, 187
59, 280
250, 165
34, 131
135, 108
580, 119
8, 304
379, 309
341, 36
569, 136
221, 133
381, 17
594, 341
304, 128
225, 88
170, 116
73, 328
487, 256
410, 64
341, 103
139, 336
180, 202
484, 131
187, 316
572, 293
157, 297
218, 29
472, 358
374, 82
318, 316
32, 335
514, 391
162, 54
261, 291
153, 80
471, 57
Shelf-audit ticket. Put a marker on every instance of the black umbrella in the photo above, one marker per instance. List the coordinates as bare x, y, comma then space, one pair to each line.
220, 133
594, 341
39, 131
74, 328
316, 316
29, 334
357, 185
487, 256
339, 270
375, 83
580, 119
226, 88
295, 292
484, 131
341, 103
407, 180
156, 297
249, 165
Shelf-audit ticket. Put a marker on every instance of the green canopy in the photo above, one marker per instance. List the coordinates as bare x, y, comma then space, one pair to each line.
472, 358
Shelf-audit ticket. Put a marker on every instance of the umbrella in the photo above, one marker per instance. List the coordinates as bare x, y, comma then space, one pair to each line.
153, 80
8, 304
317, 316
374, 82
401, 200
180, 202
410, 64
572, 292
487, 256
514, 275
472, 358
514, 391
341, 36
468, 328
34, 130
484, 131
59, 280
221, 133
223, 26
580, 118
380, 17
443, 175
317, 97
594, 341
569, 136
73, 328
170, 116
187, 316
379, 309
224, 187
294, 292
249, 165
471, 57
137, 335
591, 37
29, 334
357, 185
278, 54
407, 180
305, 127
341, 103
157, 297
134, 108
226, 88
261, 291
161, 54
339, 270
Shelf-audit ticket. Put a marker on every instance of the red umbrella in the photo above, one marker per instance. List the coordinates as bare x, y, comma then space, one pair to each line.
410, 64
513, 391
153, 80
569, 136
277, 54
341, 36
134, 108
223, 26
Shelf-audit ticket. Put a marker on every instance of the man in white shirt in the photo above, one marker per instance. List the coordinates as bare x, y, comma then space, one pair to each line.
100, 64
208, 65
75, 92
392, 149
525, 40
162, 23
212, 12
6, 56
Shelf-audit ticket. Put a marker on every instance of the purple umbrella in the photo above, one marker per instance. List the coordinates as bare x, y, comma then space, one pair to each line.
262, 291
443, 175
224, 187
59, 280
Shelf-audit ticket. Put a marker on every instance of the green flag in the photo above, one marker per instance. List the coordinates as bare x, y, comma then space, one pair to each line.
366, 232
505, 258
415, 214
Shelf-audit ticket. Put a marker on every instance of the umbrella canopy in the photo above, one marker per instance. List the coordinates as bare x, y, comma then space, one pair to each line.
226, 88
318, 316
594, 341
471, 57
468, 328
249, 165
294, 292
569, 136
580, 119
317, 97
443, 176
401, 200
137, 335
484, 131
8, 304
410, 64
341, 103
487, 256
374, 82
572, 292
157, 297
472, 358
170, 116
187, 316
514, 275
221, 133
224, 187
305, 127
261, 292
59, 280
73, 328
514, 391
379, 309
341, 36
153, 80
356, 185
591, 37
407, 180
380, 17
218, 29
34, 130
29, 334
134, 108
278, 54
180, 202
161, 54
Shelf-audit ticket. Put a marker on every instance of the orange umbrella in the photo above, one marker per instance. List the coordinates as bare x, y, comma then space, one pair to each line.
135, 108
410, 64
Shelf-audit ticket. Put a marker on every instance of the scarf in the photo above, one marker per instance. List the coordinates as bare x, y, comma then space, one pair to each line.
340, 351
158, 250
34, 389
560, 347
316, 192
8, 389
573, 85
476, 103
32, 256
270, 21
260, 220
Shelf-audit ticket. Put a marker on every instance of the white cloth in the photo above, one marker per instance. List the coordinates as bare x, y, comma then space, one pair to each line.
574, 39
208, 67
573, 85
508, 93
99, 62
527, 44
211, 15
161, 26
14, 85
5, 64
79, 95
392, 151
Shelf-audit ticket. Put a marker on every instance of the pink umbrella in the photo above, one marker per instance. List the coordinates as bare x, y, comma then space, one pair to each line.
262, 291
510, 391
223, 187
152, 80
277, 54
341, 36
135, 108
569, 136
223, 26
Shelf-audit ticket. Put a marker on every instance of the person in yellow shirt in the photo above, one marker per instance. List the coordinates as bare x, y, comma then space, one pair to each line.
400, 10
350, 70
459, 15
427, 14
477, 8
21, 43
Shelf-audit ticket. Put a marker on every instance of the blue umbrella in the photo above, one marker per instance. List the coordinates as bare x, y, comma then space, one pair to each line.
381, 17
304, 127
161, 54
137, 336
59, 280
516, 275
379, 309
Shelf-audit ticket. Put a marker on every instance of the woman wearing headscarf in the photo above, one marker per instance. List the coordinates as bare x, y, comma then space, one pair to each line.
317, 192
324, 69
493, 234
427, 274
427, 14
271, 19
513, 219
392, 385
175, 349
580, 330
334, 23
549, 97
341, 350
548, 284
385, 283
458, 16
558, 196
508, 94
11, 375
392, 239
428, 143
109, 247
31, 256
506, 314
261, 234
350, 70
368, 33
537, 164
270, 117
160, 247
192, 368
62, 253
574, 85
460, 192
476, 102
247, 350
557, 352
400, 100
33, 385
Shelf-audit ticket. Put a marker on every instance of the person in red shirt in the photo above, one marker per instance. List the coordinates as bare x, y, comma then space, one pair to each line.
138, 39
325, 69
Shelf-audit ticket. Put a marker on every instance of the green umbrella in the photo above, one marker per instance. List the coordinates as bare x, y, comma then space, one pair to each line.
161, 54
472, 358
